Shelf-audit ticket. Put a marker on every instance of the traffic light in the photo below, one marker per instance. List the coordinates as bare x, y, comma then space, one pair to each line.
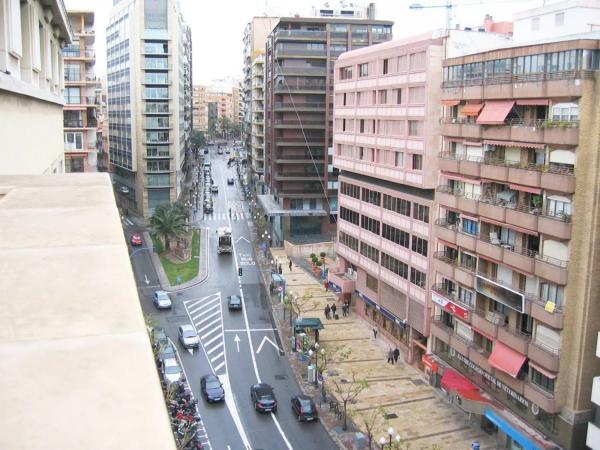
240, 271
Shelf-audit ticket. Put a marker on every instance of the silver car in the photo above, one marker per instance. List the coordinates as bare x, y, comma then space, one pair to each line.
188, 336
171, 371
161, 300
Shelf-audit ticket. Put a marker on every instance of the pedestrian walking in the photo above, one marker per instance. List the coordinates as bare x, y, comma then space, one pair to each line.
326, 284
396, 354
343, 309
290, 264
333, 310
279, 269
375, 331
327, 311
390, 358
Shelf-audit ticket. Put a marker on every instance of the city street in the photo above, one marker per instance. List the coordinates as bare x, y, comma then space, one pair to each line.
241, 347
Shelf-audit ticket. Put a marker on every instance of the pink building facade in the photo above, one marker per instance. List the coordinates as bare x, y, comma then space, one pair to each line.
386, 141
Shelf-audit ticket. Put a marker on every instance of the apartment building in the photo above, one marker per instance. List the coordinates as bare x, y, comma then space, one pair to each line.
252, 96
200, 108
149, 102
32, 34
514, 282
301, 182
81, 102
593, 431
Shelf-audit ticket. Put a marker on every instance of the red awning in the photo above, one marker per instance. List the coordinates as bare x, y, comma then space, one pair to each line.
450, 102
520, 187
514, 144
454, 139
495, 112
506, 359
483, 333
540, 369
448, 244
471, 109
474, 396
453, 381
533, 102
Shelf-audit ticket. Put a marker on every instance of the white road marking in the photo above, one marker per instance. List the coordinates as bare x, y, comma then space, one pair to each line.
236, 339
266, 339
203, 305
205, 335
146, 280
220, 335
243, 330
200, 330
215, 348
216, 313
217, 357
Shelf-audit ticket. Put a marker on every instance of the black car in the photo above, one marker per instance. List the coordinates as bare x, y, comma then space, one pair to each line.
159, 337
211, 387
263, 398
304, 408
230, 181
234, 302
165, 352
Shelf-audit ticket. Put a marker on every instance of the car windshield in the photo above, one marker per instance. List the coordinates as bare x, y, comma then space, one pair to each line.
189, 333
235, 300
172, 370
162, 296
306, 405
213, 384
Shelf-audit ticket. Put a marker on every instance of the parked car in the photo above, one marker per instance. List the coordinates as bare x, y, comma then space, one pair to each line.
220, 151
136, 240
234, 302
304, 408
171, 371
166, 351
263, 398
188, 336
230, 180
159, 337
124, 190
211, 387
161, 300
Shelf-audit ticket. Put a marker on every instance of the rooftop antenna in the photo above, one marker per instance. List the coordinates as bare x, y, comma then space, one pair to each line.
449, 5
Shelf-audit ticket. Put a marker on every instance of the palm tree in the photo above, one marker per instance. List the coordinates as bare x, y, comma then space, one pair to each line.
167, 221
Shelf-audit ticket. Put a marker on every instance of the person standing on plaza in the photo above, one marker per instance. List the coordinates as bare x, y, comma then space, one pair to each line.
327, 311
375, 331
390, 357
290, 264
396, 354
333, 310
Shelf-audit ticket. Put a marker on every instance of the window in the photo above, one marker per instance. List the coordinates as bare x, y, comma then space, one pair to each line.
547, 338
345, 101
158, 166
417, 277
14, 28
541, 380
416, 94
72, 72
346, 73
417, 61
361, 153
157, 151
382, 97
349, 216
397, 205
550, 292
466, 297
470, 226
363, 70
159, 180
370, 252
344, 123
559, 207
370, 196
73, 141
398, 96
419, 245
386, 66
535, 24
348, 241
415, 128
417, 162
156, 92
350, 190
372, 283
396, 235
468, 261
394, 265
362, 125
565, 112
157, 48
72, 95
402, 63
74, 165
399, 159
421, 212
559, 19
370, 224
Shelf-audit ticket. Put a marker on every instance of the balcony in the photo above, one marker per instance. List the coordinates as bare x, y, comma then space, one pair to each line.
445, 196
545, 356
295, 124
466, 240
446, 230
554, 319
480, 357
300, 53
347, 285
300, 88
300, 176
542, 398
310, 35
440, 330
444, 265
300, 106
487, 322
514, 339
551, 269
298, 141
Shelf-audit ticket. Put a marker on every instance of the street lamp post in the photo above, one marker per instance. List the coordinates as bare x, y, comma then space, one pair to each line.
383, 440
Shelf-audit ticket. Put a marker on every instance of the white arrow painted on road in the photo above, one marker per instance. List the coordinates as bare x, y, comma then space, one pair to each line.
146, 280
270, 342
191, 350
242, 238
236, 339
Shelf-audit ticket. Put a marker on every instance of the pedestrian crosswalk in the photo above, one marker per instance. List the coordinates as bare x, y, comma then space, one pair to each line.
218, 216
206, 315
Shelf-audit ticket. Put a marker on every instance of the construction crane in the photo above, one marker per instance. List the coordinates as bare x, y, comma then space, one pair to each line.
449, 5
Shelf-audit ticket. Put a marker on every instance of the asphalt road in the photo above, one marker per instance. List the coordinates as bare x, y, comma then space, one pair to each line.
241, 347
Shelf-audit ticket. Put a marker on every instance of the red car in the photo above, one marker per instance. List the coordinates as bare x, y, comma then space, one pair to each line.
136, 240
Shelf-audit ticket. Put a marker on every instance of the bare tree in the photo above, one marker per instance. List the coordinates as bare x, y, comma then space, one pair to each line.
347, 390
370, 420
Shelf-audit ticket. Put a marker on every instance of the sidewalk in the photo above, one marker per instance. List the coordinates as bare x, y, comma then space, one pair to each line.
423, 417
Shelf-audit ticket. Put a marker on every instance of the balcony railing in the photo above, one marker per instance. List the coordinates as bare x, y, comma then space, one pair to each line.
450, 295
72, 123
314, 34
301, 71
443, 222
520, 78
299, 52
293, 105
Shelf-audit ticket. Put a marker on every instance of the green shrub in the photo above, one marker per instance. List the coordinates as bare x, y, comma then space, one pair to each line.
313, 255
158, 245
323, 254
319, 263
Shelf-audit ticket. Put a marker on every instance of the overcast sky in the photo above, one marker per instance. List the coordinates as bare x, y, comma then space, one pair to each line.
218, 25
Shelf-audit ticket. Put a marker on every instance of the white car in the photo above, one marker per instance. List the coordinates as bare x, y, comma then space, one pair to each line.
188, 336
171, 371
161, 300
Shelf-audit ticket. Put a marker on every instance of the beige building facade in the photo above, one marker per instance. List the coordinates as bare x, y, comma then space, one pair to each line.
32, 35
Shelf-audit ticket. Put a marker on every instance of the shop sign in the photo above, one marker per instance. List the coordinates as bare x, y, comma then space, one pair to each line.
500, 293
400, 322
428, 362
335, 287
449, 306
493, 380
